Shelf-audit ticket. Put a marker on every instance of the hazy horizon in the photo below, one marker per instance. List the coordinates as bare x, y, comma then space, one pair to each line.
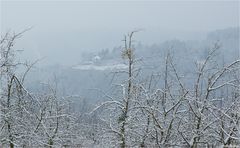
67, 28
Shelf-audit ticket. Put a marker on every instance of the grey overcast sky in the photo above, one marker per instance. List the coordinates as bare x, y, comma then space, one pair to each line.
65, 28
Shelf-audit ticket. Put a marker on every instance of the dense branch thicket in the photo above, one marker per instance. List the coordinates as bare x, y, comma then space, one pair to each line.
164, 109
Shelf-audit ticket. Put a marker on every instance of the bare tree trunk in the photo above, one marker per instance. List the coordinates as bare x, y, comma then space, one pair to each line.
128, 53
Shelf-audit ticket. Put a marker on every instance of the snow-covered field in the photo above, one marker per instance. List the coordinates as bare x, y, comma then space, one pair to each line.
101, 67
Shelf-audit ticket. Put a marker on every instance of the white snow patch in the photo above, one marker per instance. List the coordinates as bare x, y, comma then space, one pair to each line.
101, 67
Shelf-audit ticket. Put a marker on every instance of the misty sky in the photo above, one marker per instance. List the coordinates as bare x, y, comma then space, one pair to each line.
63, 29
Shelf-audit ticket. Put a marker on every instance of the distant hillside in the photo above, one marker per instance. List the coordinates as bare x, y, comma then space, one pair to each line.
96, 70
